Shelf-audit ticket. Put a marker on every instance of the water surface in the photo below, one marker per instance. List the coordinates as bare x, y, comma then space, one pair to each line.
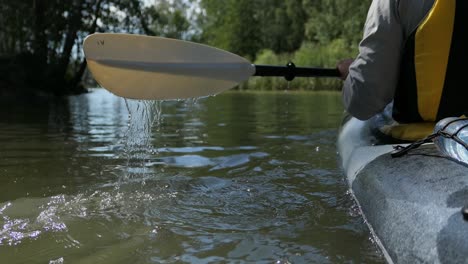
236, 178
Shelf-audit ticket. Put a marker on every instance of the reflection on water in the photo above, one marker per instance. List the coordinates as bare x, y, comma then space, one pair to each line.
243, 178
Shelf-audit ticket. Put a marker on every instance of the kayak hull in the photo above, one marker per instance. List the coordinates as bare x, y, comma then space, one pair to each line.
412, 203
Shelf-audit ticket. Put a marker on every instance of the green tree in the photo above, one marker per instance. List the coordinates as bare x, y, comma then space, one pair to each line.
169, 19
245, 27
335, 19
282, 24
231, 25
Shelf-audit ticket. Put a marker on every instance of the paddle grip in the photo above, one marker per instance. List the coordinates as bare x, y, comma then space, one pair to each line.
290, 71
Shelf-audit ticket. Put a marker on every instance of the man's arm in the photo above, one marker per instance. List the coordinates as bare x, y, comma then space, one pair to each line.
373, 75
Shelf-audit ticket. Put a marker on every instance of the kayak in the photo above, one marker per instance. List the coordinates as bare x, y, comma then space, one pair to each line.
414, 204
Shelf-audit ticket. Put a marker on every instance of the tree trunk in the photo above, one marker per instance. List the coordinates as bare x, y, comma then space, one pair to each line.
137, 8
40, 39
70, 38
93, 28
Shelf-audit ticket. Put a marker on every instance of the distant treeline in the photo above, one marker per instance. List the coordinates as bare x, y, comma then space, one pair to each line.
40, 40
307, 32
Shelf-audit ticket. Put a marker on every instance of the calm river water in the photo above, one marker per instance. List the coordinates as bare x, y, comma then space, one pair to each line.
236, 178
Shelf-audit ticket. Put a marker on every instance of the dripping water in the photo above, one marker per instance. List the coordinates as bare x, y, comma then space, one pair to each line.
139, 151
143, 116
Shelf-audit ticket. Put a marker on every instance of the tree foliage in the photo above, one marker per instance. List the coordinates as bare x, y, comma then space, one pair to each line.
335, 19
40, 42
282, 25
231, 25
246, 27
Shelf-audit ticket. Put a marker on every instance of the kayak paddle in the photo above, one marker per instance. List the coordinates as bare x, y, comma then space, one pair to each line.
155, 68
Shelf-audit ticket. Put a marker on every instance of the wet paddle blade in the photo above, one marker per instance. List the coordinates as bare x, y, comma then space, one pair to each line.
155, 68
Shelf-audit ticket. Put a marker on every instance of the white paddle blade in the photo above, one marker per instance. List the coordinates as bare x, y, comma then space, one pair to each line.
154, 68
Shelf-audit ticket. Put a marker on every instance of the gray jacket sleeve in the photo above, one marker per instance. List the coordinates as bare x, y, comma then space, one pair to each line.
373, 76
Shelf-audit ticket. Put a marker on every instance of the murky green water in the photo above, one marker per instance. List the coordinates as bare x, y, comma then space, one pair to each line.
237, 178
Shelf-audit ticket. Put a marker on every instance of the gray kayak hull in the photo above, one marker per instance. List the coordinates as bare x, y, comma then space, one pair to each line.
412, 203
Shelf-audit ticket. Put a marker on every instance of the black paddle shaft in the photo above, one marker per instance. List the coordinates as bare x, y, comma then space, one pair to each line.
290, 71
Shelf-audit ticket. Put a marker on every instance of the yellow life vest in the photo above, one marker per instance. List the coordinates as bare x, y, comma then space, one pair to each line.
432, 82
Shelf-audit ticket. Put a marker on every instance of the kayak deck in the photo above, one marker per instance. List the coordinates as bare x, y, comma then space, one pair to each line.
412, 203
